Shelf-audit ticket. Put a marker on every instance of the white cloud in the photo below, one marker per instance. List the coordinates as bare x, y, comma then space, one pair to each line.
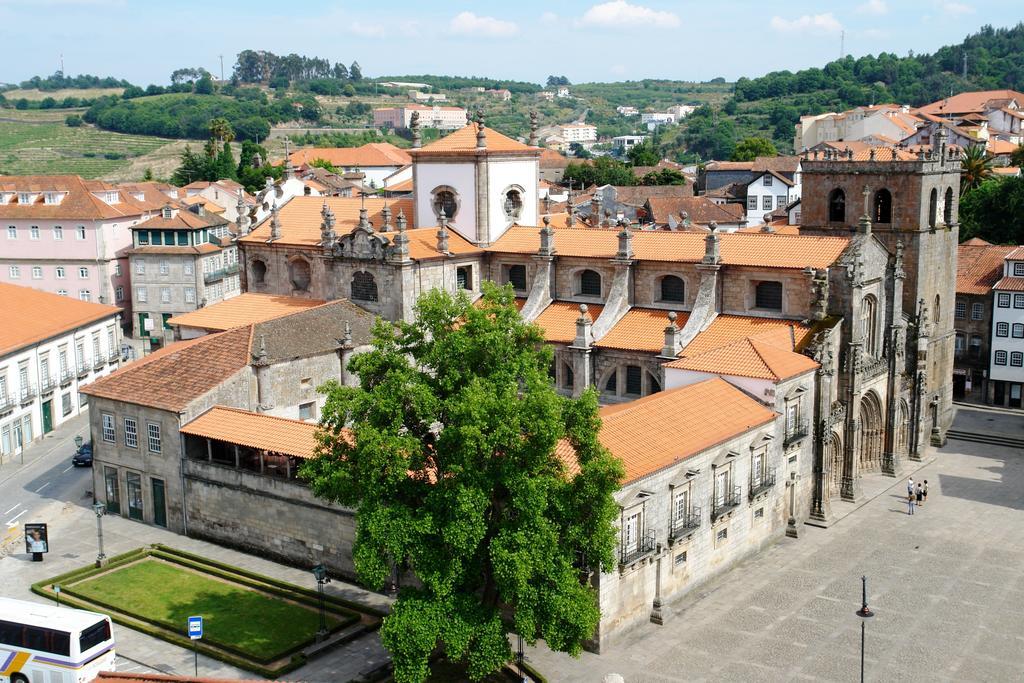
817, 23
549, 18
619, 13
368, 30
874, 7
467, 23
956, 9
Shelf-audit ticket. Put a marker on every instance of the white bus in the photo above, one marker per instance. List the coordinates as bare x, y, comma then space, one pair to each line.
47, 644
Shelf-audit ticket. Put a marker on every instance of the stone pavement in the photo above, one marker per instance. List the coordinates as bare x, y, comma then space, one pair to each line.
945, 585
73, 542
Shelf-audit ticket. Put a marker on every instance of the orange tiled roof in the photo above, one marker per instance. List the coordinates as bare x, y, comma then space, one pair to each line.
255, 430
1006, 170
698, 209
641, 329
79, 202
370, 154
676, 425
737, 249
748, 358
404, 186
1017, 254
423, 244
463, 141
1001, 146
207, 203
300, 218
726, 329
979, 267
169, 379
243, 309
1010, 284
976, 242
967, 102
31, 315
559, 320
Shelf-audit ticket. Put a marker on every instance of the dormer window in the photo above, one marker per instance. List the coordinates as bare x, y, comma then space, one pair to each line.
25, 197
141, 196
53, 197
167, 213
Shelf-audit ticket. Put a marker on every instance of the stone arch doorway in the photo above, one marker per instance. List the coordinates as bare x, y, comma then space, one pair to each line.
834, 462
902, 428
871, 435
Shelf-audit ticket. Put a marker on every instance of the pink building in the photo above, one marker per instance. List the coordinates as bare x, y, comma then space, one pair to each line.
63, 234
442, 118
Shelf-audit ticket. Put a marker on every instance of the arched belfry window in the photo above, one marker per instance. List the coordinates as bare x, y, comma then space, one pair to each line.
517, 276
299, 274
837, 206
512, 203
673, 289
589, 283
364, 286
933, 204
947, 207
259, 271
445, 199
883, 207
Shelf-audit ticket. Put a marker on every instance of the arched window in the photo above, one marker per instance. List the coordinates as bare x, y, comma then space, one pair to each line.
933, 203
299, 274
869, 324
445, 199
768, 295
947, 207
589, 283
883, 207
364, 287
612, 384
517, 276
837, 206
568, 381
513, 204
259, 272
673, 289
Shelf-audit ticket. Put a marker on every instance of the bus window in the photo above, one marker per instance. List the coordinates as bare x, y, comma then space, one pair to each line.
95, 635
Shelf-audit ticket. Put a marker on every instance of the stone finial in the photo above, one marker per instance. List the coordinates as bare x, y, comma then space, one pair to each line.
625, 251
442, 233
385, 217
327, 226
242, 219
414, 126
897, 265
401, 240
584, 337
364, 220
275, 223
260, 357
595, 209
672, 337
533, 129
400, 221
481, 136
547, 238
469, 117
871, 154
821, 289
570, 218
712, 251
346, 339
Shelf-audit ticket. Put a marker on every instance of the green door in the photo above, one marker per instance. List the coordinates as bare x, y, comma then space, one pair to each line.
142, 324
47, 416
159, 505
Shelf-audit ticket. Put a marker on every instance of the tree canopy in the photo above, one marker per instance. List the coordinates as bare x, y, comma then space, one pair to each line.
600, 171
449, 461
644, 154
751, 148
992, 211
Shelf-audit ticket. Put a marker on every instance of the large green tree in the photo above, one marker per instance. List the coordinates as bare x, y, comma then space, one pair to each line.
644, 154
447, 452
749, 149
975, 167
992, 211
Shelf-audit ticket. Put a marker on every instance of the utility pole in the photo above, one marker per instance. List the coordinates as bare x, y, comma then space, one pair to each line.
221, 68
842, 44
62, 62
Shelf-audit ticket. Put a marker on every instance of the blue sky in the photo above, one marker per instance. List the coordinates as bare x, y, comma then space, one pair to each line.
525, 40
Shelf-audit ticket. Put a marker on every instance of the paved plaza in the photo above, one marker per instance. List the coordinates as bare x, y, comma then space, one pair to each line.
946, 586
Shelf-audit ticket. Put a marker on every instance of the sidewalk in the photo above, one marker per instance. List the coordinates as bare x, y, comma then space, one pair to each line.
73, 543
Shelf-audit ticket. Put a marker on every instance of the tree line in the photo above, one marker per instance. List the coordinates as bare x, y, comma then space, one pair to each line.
263, 66
58, 81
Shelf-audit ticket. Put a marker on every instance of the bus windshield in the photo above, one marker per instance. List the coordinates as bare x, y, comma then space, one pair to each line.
94, 635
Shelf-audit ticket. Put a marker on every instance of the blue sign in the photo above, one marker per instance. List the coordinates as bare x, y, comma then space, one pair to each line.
195, 628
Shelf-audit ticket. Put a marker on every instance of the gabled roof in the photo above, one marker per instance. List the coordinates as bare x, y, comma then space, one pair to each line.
1010, 284
748, 358
370, 154
676, 424
300, 218
182, 219
979, 267
463, 141
558, 320
976, 101
699, 210
255, 430
244, 309
737, 249
31, 316
79, 202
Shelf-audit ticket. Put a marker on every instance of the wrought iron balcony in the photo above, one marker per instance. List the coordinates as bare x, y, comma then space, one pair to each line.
644, 547
66, 375
685, 524
26, 393
98, 362
797, 432
725, 503
83, 368
48, 384
113, 356
762, 482
6, 402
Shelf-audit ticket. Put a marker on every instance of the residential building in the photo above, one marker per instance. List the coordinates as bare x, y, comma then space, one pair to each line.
1001, 110
627, 111
692, 213
375, 160
50, 347
546, 95
503, 94
770, 191
552, 165
681, 111
227, 194
718, 174
654, 119
563, 91
1008, 333
436, 116
62, 234
624, 143
420, 96
578, 132
612, 203
180, 260
890, 121
979, 266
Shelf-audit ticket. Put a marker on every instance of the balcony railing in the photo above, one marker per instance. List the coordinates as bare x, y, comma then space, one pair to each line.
48, 384
26, 393
719, 506
6, 401
685, 524
763, 482
83, 368
797, 432
99, 362
66, 375
113, 356
644, 547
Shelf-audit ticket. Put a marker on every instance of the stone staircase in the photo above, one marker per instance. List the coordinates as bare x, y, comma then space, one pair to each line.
990, 438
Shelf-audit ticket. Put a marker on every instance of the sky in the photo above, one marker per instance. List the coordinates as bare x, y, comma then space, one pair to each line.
614, 40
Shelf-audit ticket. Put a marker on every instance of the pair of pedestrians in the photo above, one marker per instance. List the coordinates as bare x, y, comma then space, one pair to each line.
917, 494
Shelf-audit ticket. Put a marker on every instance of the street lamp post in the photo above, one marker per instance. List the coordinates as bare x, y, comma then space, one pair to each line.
99, 509
864, 613
320, 573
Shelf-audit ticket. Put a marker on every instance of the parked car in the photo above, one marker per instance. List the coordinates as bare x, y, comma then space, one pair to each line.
83, 456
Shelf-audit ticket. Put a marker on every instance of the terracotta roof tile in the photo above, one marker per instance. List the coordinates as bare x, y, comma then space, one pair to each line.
967, 102
559, 320
676, 425
300, 218
172, 377
748, 358
243, 309
370, 154
979, 267
726, 329
739, 249
698, 209
641, 329
79, 202
1010, 284
31, 315
255, 430
463, 141
423, 244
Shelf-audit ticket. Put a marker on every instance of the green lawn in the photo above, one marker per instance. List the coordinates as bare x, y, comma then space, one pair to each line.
261, 625
42, 146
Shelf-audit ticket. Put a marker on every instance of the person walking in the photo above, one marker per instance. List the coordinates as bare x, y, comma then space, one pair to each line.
910, 486
910, 503
919, 494
924, 497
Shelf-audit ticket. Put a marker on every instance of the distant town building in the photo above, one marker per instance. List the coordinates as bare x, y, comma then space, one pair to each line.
627, 111
223, 193
1008, 333
563, 91
420, 96
502, 94
375, 160
654, 119
399, 118
884, 122
624, 143
578, 132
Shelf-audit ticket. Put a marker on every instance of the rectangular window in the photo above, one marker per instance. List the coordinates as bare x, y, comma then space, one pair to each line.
1018, 269
65, 404
1018, 330
767, 180
80, 232
958, 343
58, 233
154, 437
766, 202
190, 295
1017, 359
12, 232
1000, 358
188, 268
165, 295
143, 237
722, 535
759, 513
631, 532
140, 294
307, 411
61, 274
977, 311
721, 484
119, 294
1002, 329
113, 490
140, 267
961, 310
634, 380
14, 272
84, 294
131, 433
117, 269
1003, 300
1018, 300
680, 559
108, 428
33, 232
83, 273
781, 201
37, 273
165, 267
752, 203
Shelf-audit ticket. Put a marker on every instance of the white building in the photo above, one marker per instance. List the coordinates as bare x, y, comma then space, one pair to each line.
50, 345
890, 121
436, 116
653, 119
578, 132
624, 143
770, 191
681, 111
563, 91
1007, 369
627, 111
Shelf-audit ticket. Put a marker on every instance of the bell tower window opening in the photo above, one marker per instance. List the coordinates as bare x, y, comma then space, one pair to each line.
364, 287
513, 204
837, 206
883, 207
445, 200
933, 204
259, 272
947, 207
